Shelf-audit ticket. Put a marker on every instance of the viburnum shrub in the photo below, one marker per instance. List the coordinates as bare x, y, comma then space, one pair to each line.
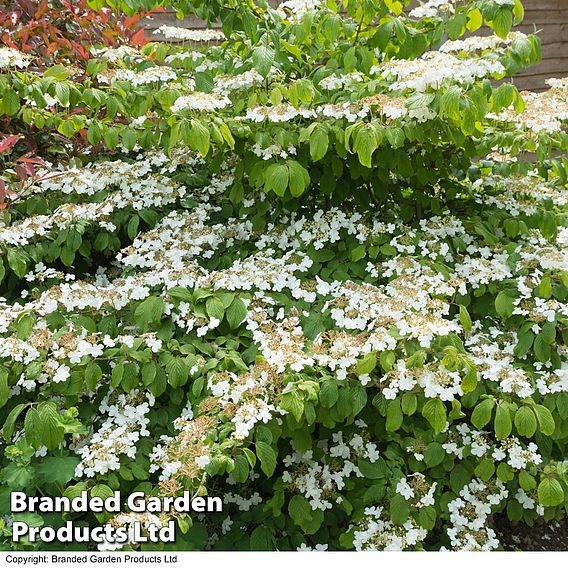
319, 269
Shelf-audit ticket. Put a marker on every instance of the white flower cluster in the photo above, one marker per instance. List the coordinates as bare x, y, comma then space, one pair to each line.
389, 106
434, 379
189, 452
118, 54
321, 481
473, 44
10, 57
200, 101
273, 151
469, 515
226, 84
374, 533
418, 491
435, 68
481, 445
334, 82
156, 74
118, 435
543, 112
242, 502
134, 186
433, 9
296, 9
248, 397
144, 521
174, 33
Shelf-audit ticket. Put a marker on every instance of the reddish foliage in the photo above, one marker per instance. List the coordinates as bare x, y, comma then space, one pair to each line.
8, 142
62, 30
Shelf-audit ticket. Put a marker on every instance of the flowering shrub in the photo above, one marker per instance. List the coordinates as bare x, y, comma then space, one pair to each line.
319, 270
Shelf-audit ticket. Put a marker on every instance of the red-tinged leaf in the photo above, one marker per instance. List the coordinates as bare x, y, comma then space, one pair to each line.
130, 21
21, 172
8, 142
42, 9
138, 38
31, 160
2, 192
30, 170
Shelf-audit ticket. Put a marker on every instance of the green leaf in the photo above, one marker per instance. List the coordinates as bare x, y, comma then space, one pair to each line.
503, 21
465, 319
427, 517
200, 138
475, 20
434, 454
60, 470
503, 96
129, 379
409, 403
93, 375
236, 313
299, 178
450, 105
261, 538
58, 72
525, 421
291, 402
526, 480
456, 25
62, 93
263, 58
545, 419
542, 349
376, 470
203, 81
504, 305
550, 492
328, 394
4, 388
8, 428
469, 382
241, 471
358, 399
276, 179
503, 424
51, 430
177, 371
267, 457
17, 262
394, 416
302, 514
387, 360
358, 253
319, 143
214, 308
149, 311
10, 102
365, 144
524, 344
435, 412
485, 469
482, 413
366, 365
399, 510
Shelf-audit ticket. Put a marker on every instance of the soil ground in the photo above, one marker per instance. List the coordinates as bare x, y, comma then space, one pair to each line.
544, 537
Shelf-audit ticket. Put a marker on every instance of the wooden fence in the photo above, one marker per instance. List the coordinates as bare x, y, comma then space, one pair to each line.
548, 17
